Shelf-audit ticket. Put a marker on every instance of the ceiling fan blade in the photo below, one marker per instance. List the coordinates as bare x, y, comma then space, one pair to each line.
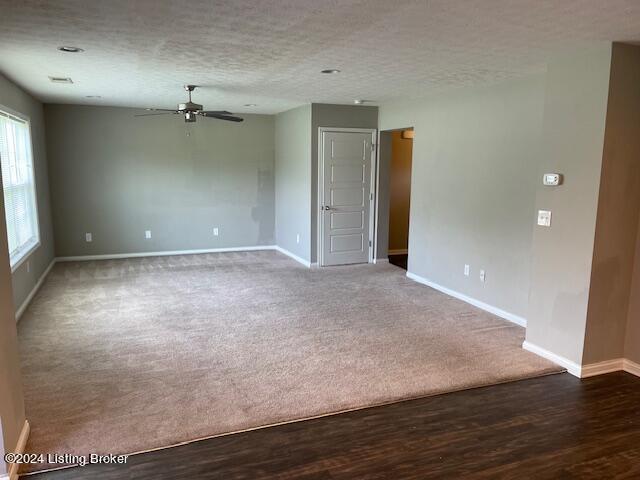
150, 114
218, 112
161, 109
221, 117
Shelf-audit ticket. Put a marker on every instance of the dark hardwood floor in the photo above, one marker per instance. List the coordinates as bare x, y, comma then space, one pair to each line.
554, 427
399, 260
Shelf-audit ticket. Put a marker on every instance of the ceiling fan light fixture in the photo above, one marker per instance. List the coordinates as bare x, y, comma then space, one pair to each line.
68, 49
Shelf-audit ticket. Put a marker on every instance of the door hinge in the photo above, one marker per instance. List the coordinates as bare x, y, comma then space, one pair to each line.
373, 147
370, 244
371, 196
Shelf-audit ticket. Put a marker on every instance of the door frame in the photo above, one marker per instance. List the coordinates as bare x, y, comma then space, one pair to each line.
373, 187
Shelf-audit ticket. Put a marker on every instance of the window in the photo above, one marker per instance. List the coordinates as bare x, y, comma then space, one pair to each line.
18, 185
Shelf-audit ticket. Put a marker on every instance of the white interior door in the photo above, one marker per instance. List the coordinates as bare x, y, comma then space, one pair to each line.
345, 200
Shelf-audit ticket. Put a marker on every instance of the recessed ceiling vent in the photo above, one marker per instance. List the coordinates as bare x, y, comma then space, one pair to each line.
60, 80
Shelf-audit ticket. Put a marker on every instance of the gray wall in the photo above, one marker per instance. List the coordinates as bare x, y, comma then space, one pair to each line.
326, 115
27, 274
575, 108
293, 180
116, 176
473, 187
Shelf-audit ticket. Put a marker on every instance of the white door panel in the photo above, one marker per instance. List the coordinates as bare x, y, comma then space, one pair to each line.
345, 164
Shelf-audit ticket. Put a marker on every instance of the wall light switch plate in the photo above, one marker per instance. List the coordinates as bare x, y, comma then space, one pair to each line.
552, 179
215, 231
466, 270
298, 238
88, 237
147, 234
483, 277
544, 218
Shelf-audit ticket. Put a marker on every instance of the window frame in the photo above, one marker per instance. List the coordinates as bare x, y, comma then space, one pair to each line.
16, 262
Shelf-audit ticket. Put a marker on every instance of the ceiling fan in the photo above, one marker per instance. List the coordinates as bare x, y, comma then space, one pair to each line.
190, 110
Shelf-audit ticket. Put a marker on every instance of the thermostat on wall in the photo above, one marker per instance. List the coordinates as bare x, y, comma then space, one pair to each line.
552, 179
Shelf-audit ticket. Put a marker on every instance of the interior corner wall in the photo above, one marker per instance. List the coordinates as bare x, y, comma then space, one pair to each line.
26, 276
473, 187
293, 181
329, 115
116, 175
575, 106
617, 214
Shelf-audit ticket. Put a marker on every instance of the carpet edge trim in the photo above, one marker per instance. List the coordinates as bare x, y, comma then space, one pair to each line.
531, 376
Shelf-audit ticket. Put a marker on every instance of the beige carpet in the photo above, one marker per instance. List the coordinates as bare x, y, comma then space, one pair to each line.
126, 355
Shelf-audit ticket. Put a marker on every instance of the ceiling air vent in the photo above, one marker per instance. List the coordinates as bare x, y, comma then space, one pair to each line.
60, 80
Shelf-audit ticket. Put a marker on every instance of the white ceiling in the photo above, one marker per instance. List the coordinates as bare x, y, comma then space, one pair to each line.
139, 53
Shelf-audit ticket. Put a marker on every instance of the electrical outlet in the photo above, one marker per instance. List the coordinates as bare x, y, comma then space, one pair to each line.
466, 270
544, 218
215, 231
147, 234
482, 276
298, 238
88, 237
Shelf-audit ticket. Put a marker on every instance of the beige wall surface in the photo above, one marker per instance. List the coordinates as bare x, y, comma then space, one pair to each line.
11, 397
618, 210
575, 108
293, 180
26, 276
632, 338
399, 191
116, 175
473, 187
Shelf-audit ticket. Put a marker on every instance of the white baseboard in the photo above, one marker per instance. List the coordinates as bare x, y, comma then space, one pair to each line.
586, 371
631, 367
22, 443
298, 259
572, 367
380, 260
114, 256
400, 251
608, 366
600, 368
476, 303
34, 290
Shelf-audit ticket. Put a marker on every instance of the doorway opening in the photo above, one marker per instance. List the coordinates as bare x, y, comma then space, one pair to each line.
394, 187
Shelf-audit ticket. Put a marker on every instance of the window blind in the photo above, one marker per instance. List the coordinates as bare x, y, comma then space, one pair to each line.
18, 186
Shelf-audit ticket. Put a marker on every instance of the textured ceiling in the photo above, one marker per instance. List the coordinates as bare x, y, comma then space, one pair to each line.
139, 53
